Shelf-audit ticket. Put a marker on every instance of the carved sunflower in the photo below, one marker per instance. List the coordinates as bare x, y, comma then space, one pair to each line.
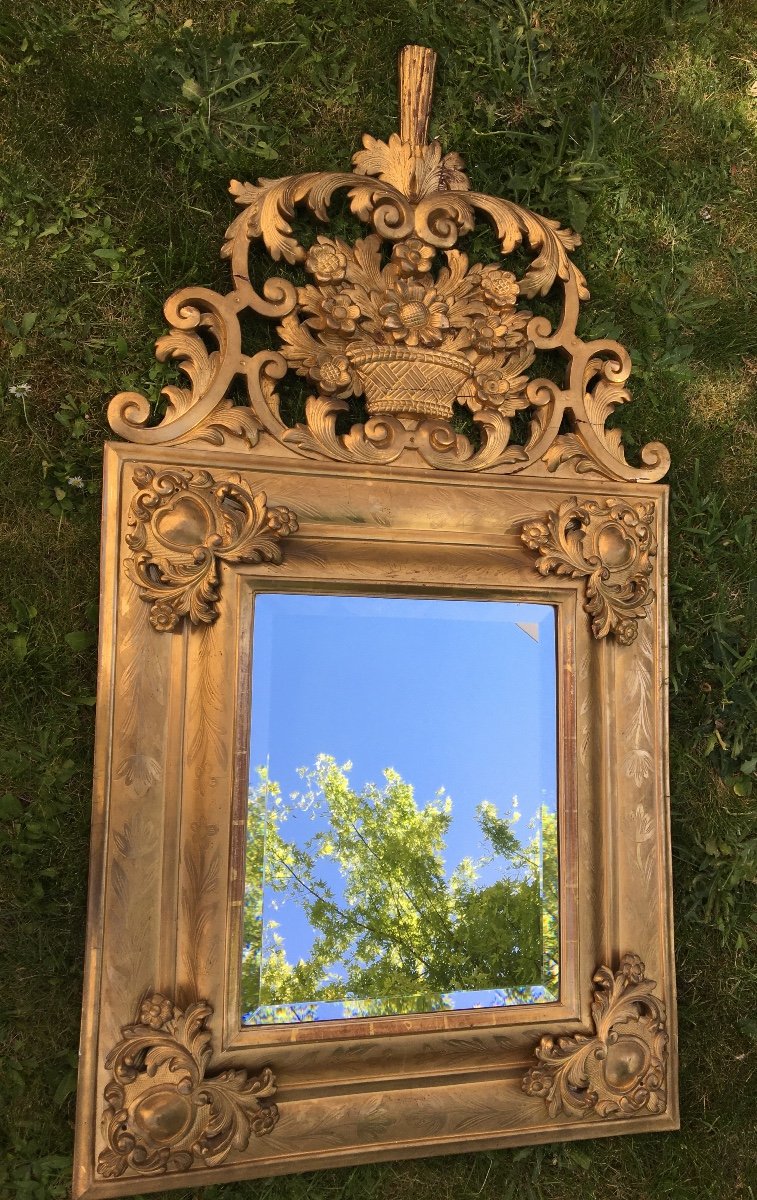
413, 314
326, 261
413, 256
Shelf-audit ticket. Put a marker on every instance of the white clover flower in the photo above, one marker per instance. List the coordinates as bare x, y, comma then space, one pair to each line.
75, 481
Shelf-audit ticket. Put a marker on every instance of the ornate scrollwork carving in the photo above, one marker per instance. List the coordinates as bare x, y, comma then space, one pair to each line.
183, 523
163, 1111
620, 1071
608, 542
417, 335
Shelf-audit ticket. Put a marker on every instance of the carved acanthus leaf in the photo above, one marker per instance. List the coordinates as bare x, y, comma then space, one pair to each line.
416, 171
620, 1070
567, 448
182, 525
608, 542
163, 1111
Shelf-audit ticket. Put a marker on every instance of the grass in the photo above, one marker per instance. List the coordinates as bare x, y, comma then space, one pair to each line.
123, 122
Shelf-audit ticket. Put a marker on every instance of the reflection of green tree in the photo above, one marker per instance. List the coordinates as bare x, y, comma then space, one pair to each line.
397, 929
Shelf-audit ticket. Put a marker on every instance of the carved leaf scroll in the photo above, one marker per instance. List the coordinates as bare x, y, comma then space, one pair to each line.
420, 337
620, 1071
163, 1112
608, 542
183, 523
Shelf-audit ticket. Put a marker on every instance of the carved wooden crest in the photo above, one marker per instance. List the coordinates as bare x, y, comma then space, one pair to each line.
399, 332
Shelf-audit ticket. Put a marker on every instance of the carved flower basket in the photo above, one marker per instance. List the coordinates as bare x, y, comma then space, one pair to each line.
419, 382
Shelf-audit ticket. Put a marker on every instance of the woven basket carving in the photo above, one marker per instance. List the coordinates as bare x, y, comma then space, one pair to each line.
413, 381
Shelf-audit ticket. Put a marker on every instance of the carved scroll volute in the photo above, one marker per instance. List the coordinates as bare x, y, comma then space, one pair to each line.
164, 1112
400, 317
620, 1071
182, 525
609, 543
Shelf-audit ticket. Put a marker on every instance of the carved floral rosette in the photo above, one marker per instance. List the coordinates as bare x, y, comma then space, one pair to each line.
401, 318
620, 1071
182, 524
163, 1112
610, 543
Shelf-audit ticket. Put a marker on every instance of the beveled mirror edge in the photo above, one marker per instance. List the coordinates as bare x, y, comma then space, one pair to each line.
630, 873
565, 1007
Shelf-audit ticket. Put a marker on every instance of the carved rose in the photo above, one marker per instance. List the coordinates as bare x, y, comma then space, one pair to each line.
283, 522
487, 335
333, 374
537, 1083
337, 312
493, 387
413, 257
632, 968
414, 314
156, 1011
626, 632
326, 261
265, 1120
500, 287
162, 617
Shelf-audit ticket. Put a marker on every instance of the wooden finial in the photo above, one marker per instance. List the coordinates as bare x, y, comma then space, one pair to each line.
416, 69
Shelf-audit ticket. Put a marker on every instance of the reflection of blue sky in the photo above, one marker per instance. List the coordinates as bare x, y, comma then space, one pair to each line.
452, 694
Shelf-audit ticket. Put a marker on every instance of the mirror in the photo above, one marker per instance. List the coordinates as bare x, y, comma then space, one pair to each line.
402, 822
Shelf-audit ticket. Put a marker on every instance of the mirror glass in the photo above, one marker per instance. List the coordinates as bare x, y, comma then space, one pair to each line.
401, 850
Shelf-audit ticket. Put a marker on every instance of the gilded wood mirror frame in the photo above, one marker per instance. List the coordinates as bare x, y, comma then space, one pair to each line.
220, 499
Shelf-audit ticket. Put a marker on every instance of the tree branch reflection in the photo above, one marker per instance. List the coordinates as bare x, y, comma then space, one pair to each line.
390, 928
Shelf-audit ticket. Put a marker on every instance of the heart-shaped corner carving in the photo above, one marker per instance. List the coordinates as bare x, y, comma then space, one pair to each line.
165, 1110
185, 522
610, 543
181, 525
621, 1070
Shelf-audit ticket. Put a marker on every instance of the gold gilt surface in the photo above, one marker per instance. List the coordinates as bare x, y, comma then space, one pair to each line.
401, 320
377, 491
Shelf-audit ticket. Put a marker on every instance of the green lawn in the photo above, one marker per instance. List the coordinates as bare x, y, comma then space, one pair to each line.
122, 123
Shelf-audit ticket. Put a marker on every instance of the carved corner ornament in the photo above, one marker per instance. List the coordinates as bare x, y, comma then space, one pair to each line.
611, 544
620, 1071
182, 524
398, 333
163, 1112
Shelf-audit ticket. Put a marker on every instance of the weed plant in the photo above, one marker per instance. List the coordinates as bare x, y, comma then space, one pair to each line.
634, 123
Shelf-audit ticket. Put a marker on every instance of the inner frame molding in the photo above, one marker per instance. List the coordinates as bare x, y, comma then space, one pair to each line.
382, 489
